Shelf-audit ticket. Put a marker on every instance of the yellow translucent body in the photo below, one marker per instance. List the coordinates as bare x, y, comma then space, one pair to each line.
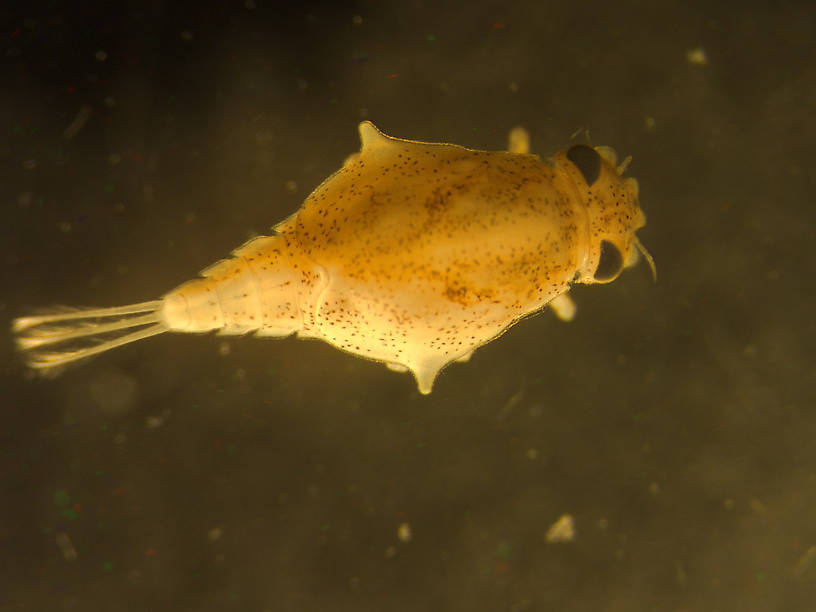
413, 254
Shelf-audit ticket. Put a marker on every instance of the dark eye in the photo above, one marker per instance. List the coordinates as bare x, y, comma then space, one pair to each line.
587, 160
609, 263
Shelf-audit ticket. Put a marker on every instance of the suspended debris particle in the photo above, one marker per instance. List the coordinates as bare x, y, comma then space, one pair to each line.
79, 121
404, 532
65, 545
697, 56
562, 530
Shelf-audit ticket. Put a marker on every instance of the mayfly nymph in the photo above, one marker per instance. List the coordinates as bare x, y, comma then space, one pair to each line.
413, 254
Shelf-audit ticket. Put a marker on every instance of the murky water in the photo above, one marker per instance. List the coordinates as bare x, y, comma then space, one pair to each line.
673, 422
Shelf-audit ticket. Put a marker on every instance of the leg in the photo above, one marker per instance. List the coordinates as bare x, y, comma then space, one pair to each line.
563, 307
518, 140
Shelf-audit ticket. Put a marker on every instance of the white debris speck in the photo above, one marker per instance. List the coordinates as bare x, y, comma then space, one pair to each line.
404, 532
562, 530
697, 56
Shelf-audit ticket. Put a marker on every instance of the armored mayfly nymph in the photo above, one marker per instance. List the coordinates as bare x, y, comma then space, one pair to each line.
413, 254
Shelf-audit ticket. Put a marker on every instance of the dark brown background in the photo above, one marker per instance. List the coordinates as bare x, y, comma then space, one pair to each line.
675, 421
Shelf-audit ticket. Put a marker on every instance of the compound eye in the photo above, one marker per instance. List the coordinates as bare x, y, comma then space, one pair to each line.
588, 162
610, 262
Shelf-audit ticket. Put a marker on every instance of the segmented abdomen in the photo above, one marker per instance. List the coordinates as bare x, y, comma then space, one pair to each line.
256, 290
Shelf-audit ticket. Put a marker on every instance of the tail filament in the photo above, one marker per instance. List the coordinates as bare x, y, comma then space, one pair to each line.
52, 340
